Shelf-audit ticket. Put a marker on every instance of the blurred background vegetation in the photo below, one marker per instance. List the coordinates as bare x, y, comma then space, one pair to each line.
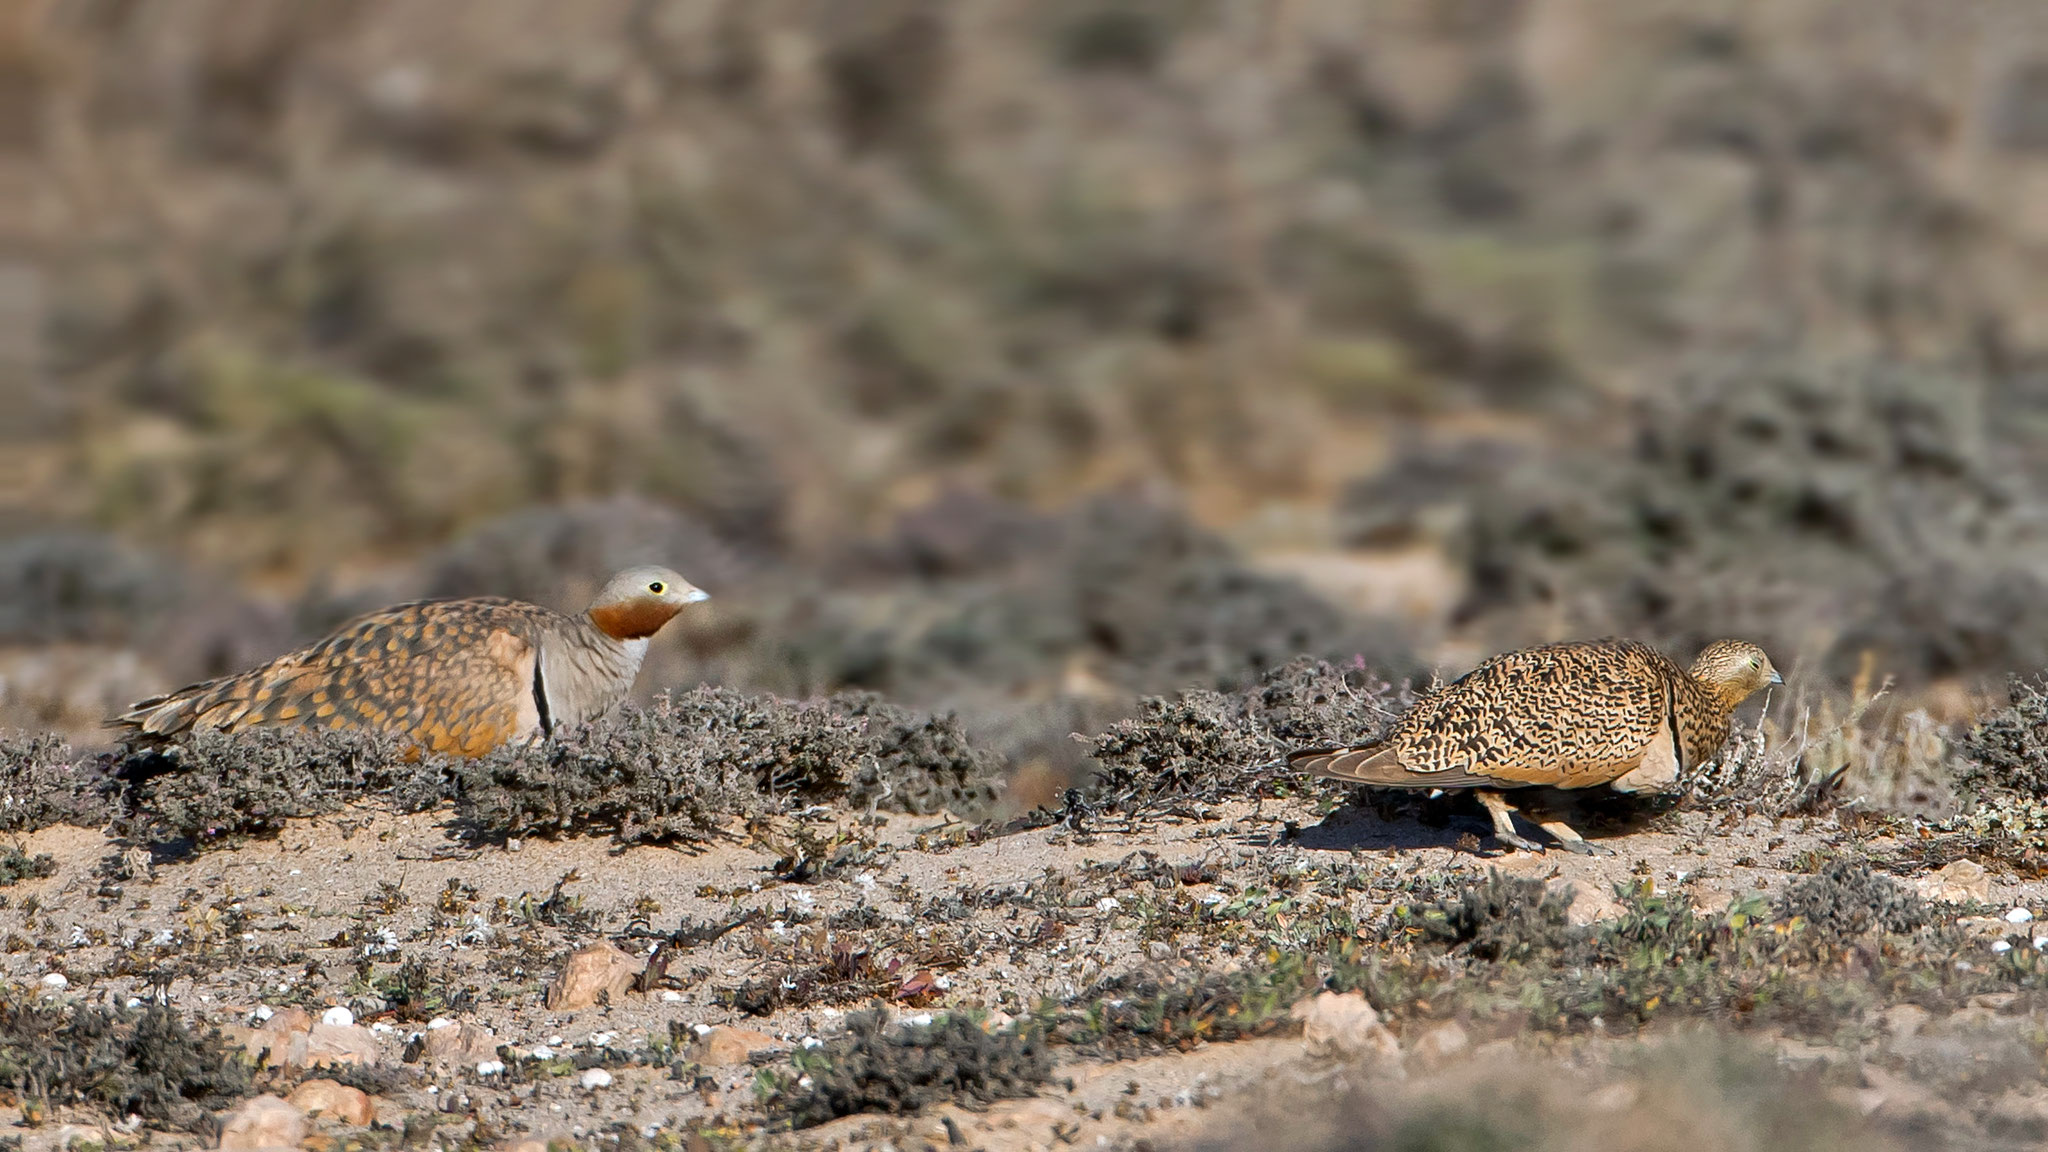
1021, 356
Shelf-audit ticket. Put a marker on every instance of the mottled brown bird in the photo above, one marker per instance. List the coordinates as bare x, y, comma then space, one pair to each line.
1572, 715
450, 676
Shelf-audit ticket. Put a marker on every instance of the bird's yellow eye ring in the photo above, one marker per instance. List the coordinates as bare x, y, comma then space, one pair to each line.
657, 587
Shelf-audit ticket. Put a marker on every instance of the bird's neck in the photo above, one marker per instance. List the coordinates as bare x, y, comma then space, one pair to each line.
635, 620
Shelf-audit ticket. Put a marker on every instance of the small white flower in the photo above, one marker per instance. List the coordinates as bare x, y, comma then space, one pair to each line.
79, 939
778, 927
164, 938
338, 1016
596, 1078
490, 1067
384, 945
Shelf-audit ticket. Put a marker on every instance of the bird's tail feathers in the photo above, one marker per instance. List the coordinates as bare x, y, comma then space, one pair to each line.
1364, 764
175, 712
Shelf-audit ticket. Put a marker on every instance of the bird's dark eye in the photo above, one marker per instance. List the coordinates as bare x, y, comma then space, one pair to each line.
656, 587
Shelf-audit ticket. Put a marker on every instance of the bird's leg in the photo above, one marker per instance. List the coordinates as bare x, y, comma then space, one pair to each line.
1569, 839
1504, 821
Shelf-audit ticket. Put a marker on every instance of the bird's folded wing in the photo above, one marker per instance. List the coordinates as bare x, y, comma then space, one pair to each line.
1563, 719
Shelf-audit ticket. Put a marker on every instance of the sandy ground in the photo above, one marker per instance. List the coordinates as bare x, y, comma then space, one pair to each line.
320, 915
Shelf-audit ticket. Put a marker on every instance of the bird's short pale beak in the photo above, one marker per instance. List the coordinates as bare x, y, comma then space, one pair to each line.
1775, 678
694, 595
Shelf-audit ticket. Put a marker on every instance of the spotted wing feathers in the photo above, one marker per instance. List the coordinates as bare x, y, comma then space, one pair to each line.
453, 676
1562, 715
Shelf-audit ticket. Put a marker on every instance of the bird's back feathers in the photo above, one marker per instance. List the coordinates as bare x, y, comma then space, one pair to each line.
1572, 715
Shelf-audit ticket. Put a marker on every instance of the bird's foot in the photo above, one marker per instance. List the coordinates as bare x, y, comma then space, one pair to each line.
1585, 847
1516, 840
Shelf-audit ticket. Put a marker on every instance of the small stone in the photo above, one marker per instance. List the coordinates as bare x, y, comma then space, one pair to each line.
351, 1106
55, 982
338, 1016
591, 971
1591, 906
328, 1045
526, 1144
1334, 1024
1437, 1046
730, 1045
2018, 916
263, 1122
596, 1078
1159, 950
271, 1044
464, 1044
1904, 1020
1960, 882
1995, 1001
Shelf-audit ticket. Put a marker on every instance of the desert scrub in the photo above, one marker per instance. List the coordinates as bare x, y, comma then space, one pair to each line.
209, 786
878, 1066
42, 783
1203, 746
681, 770
17, 865
1779, 497
1848, 898
142, 1061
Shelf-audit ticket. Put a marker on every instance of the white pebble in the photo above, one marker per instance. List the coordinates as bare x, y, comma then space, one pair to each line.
490, 1067
264, 1012
921, 1020
671, 996
382, 1026
555, 1040
2002, 946
596, 1078
438, 1023
813, 1042
2018, 916
543, 1052
600, 1039
701, 1029
56, 982
1108, 904
338, 1016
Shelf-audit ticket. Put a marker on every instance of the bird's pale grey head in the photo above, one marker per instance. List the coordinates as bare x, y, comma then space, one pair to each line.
634, 604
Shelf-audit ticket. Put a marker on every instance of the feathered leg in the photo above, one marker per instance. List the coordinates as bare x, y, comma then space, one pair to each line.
1504, 821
